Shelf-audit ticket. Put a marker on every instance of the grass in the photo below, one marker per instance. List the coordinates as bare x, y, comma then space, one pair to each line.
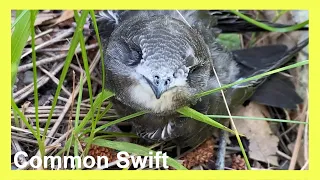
269, 28
87, 72
191, 113
19, 38
23, 28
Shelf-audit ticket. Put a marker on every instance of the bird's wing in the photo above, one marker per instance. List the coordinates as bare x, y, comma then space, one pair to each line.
275, 90
258, 60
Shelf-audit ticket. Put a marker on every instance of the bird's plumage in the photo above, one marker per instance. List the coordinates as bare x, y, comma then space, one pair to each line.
158, 60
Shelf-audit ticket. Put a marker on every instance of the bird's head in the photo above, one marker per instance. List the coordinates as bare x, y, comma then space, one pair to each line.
164, 63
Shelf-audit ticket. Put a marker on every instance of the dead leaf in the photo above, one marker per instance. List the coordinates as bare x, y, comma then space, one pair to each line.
64, 16
263, 144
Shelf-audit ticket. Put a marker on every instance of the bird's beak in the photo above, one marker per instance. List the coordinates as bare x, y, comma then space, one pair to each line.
158, 89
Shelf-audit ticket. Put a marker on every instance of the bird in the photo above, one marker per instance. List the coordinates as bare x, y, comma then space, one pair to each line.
158, 60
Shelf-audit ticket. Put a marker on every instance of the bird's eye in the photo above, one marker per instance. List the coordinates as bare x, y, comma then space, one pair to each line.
135, 58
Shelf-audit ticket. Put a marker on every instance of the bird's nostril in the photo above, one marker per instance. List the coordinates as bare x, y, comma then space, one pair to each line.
156, 79
167, 82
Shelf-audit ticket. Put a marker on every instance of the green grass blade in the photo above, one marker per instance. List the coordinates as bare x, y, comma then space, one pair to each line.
75, 136
94, 23
269, 28
34, 69
135, 149
79, 102
66, 145
101, 97
86, 68
23, 117
70, 144
95, 26
19, 38
16, 119
84, 57
191, 113
259, 76
35, 84
120, 120
100, 116
24, 26
257, 118
76, 151
243, 151
73, 46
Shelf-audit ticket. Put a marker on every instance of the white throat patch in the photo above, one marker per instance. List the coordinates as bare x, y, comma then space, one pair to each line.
143, 95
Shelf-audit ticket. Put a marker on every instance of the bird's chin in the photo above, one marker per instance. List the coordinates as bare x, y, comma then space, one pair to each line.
143, 97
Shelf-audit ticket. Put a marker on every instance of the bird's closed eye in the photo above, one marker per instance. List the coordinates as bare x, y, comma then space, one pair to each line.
135, 58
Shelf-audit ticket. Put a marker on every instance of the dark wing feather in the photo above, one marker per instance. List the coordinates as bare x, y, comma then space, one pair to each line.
257, 60
276, 90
